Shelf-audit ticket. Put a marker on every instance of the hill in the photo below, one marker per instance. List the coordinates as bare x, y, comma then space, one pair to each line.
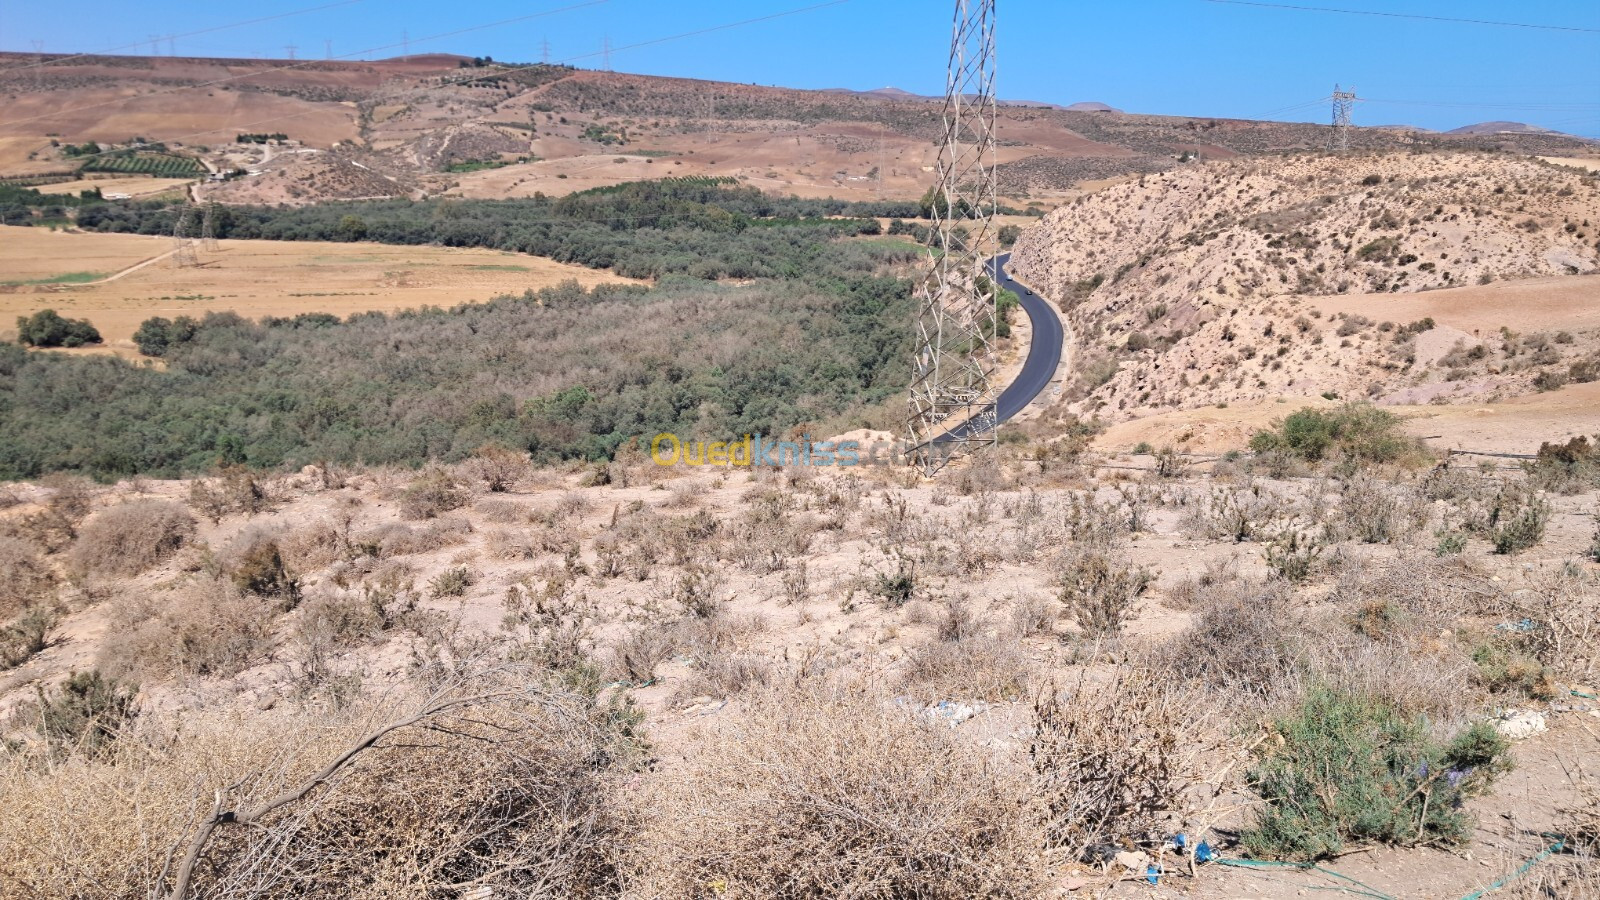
443, 124
1254, 279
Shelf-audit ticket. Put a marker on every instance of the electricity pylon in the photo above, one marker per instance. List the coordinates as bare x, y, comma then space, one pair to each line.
952, 400
183, 254
208, 228
1343, 102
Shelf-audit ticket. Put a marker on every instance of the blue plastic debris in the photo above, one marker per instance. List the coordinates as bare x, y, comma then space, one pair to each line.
1152, 873
1203, 853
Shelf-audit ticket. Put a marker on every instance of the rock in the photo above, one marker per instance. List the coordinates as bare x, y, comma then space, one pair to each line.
1520, 725
1133, 860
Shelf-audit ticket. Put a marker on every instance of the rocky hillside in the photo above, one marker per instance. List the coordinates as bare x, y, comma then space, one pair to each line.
1198, 286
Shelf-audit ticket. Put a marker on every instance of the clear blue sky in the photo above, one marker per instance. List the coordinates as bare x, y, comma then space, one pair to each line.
1188, 57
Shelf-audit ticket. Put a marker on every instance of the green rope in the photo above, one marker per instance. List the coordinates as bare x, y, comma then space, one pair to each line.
1522, 870
1360, 890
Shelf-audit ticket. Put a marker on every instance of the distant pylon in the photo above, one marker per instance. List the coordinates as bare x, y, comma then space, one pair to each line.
953, 404
183, 252
1343, 102
605, 52
327, 48
544, 51
208, 228
290, 49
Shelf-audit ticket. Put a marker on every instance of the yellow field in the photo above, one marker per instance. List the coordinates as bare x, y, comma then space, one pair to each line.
252, 278
133, 187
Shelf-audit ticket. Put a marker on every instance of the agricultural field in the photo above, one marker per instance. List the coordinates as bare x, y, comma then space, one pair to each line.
133, 187
252, 278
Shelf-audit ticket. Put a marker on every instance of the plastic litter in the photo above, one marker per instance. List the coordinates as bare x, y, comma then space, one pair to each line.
954, 712
1520, 725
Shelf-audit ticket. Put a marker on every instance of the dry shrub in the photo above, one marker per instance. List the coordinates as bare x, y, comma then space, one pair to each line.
501, 512
1098, 587
321, 543
431, 495
980, 668
24, 576
497, 467
235, 489
1113, 760
131, 538
834, 792
1376, 512
512, 790
26, 635
399, 539
199, 627
53, 528
636, 655
1243, 639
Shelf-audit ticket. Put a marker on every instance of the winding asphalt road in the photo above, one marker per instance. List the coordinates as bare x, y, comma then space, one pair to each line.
1044, 354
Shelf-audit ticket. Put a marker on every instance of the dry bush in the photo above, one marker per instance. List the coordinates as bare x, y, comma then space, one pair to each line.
198, 627
321, 543
328, 622
399, 539
1244, 639
432, 494
501, 512
1217, 575
24, 576
1376, 512
1237, 515
636, 654
512, 789
980, 668
257, 568
831, 793
497, 467
235, 489
1112, 761
131, 538
1033, 614
1098, 587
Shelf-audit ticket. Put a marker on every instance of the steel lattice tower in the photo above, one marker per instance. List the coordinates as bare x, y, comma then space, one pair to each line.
952, 399
183, 254
208, 227
1343, 102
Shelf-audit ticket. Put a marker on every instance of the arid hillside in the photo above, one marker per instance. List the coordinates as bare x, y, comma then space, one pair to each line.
631, 680
1301, 276
440, 124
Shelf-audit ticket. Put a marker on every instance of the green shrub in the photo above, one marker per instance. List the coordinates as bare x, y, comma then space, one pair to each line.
452, 582
1517, 520
1358, 431
1353, 769
47, 328
85, 713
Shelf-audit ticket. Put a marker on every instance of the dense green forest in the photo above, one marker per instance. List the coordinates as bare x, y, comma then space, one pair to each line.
821, 330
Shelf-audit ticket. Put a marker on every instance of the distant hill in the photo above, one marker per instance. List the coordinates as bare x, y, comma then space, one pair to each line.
1501, 128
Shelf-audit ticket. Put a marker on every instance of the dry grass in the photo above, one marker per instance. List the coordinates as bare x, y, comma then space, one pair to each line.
198, 627
24, 576
834, 792
130, 538
512, 790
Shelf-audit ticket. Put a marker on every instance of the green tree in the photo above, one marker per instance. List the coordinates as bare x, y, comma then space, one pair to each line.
352, 228
47, 328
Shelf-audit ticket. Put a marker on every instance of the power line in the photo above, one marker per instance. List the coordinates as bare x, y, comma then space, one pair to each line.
112, 50
1391, 15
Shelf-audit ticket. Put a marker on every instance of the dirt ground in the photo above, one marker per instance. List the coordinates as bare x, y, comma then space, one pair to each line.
254, 278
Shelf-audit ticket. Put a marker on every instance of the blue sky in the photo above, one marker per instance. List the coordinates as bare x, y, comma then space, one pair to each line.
1187, 57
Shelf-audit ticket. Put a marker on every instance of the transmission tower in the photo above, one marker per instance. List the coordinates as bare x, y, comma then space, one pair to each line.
183, 253
208, 228
1343, 102
952, 401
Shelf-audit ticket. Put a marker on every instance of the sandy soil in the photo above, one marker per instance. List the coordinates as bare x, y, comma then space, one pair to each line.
257, 278
1518, 425
1593, 165
1531, 304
